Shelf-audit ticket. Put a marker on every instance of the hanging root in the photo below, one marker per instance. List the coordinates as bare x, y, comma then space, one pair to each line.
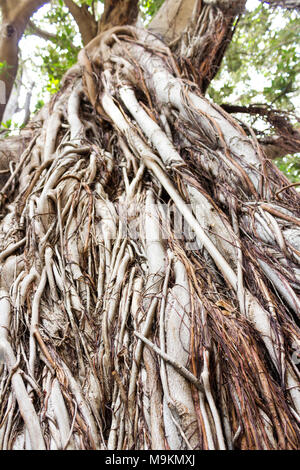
150, 271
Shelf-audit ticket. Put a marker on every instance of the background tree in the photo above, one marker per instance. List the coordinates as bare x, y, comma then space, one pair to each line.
15, 17
150, 250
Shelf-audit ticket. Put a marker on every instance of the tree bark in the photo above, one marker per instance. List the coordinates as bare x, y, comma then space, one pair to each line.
172, 18
118, 13
198, 32
86, 22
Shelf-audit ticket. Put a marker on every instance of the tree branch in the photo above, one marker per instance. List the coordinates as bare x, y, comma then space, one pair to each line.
118, 13
199, 33
32, 5
35, 30
3, 7
287, 138
169, 360
288, 4
86, 22
277, 146
20, 11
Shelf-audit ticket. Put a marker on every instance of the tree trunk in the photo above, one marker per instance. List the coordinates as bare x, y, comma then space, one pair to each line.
118, 13
149, 268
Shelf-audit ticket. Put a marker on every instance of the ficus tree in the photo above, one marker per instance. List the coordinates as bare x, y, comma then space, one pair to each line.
150, 249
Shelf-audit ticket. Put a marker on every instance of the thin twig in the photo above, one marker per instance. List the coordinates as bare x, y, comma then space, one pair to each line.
180, 369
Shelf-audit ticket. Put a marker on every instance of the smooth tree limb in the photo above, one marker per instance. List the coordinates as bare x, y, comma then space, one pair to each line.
86, 22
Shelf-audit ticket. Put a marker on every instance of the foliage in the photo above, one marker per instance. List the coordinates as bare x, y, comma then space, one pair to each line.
87, 2
9, 127
149, 8
262, 66
3, 66
60, 53
262, 60
290, 165
95, 6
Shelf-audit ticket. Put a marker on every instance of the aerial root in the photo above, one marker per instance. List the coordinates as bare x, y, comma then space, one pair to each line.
147, 302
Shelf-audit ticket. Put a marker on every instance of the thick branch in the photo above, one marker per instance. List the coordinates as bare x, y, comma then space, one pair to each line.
172, 18
287, 138
118, 13
19, 12
277, 146
199, 33
175, 16
87, 24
